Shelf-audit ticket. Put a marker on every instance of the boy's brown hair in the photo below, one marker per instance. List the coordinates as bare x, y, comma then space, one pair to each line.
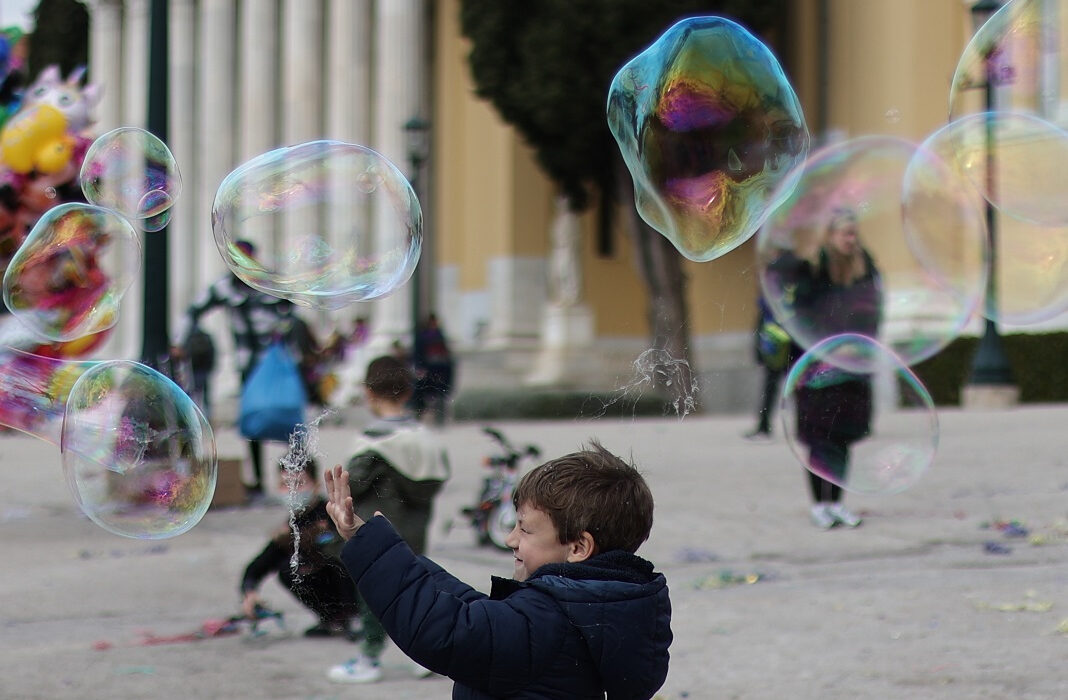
593, 491
389, 378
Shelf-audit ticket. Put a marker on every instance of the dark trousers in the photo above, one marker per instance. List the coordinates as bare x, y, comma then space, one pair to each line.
831, 459
772, 378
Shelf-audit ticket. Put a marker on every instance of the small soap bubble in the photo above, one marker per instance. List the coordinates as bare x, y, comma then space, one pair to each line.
323, 224
68, 277
872, 432
133, 172
138, 454
711, 132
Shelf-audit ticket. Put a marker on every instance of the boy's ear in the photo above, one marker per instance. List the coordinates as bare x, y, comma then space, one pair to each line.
582, 548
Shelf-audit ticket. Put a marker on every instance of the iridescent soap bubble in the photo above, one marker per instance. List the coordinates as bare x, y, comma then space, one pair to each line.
1015, 53
1015, 160
853, 250
711, 131
133, 172
68, 277
873, 432
329, 224
138, 454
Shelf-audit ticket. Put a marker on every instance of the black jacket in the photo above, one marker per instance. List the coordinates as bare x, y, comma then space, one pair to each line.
570, 631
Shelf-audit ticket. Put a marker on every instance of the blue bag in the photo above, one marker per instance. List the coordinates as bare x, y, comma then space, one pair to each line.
272, 399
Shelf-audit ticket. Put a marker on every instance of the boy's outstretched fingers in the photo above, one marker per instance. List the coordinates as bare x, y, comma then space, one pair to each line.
339, 502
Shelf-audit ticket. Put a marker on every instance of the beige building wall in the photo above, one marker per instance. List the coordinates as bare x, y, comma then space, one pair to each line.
889, 67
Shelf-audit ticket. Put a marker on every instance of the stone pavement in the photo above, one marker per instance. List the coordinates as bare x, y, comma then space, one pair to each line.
922, 601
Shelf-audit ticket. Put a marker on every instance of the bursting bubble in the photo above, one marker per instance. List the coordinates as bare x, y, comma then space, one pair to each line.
138, 454
869, 432
68, 277
323, 224
854, 249
133, 172
711, 132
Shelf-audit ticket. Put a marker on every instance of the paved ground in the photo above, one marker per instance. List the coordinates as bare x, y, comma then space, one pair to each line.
922, 601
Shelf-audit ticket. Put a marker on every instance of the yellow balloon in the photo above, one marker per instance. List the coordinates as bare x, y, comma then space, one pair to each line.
28, 133
55, 156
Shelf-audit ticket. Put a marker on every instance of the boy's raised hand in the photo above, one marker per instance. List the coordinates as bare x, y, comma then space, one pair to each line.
339, 503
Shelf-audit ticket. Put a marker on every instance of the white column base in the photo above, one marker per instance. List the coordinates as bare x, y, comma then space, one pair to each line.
566, 340
981, 397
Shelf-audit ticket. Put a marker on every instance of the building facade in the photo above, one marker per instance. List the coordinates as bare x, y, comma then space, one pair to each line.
517, 283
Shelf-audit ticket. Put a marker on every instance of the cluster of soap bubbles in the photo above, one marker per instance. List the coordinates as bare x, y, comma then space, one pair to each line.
138, 454
873, 253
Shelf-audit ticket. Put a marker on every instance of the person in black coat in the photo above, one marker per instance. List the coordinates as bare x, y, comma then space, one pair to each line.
841, 287
582, 617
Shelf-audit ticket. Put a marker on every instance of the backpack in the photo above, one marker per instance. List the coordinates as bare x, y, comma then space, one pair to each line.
200, 349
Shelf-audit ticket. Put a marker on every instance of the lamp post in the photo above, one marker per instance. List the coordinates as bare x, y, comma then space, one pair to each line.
155, 335
417, 132
990, 367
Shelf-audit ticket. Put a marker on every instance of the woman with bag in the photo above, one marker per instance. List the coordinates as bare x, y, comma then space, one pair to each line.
254, 319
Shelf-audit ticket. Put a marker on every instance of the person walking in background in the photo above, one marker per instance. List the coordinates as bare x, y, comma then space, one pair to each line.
254, 319
433, 364
839, 284
774, 351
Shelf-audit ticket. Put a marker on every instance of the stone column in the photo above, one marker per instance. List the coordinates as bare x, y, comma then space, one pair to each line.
260, 70
215, 115
187, 277
126, 338
105, 61
348, 119
302, 97
567, 328
400, 94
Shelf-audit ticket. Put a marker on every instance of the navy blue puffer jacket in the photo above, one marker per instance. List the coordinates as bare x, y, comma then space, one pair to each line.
570, 631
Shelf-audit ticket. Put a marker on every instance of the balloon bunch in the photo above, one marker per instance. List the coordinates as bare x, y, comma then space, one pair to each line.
43, 142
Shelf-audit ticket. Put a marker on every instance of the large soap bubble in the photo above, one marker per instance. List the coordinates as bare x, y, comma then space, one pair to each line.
329, 224
710, 130
68, 277
1014, 53
868, 432
133, 172
853, 250
138, 454
1017, 162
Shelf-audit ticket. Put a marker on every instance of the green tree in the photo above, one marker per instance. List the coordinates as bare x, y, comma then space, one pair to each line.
546, 66
60, 36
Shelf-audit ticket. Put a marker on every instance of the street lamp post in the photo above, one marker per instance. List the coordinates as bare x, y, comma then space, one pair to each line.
155, 336
990, 368
417, 131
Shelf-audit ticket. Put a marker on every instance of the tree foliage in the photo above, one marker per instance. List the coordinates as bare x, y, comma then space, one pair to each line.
60, 36
546, 66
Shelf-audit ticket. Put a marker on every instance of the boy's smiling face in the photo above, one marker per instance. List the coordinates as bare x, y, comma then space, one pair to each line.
534, 541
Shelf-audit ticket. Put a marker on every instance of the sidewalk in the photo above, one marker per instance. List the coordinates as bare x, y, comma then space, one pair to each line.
920, 602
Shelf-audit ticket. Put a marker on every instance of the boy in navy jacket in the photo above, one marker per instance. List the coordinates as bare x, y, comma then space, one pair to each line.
582, 617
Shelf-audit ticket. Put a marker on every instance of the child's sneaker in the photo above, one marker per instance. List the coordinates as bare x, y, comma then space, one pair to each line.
361, 669
843, 515
821, 516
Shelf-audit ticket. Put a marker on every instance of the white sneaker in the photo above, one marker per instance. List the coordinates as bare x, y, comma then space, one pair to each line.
843, 515
821, 516
361, 669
